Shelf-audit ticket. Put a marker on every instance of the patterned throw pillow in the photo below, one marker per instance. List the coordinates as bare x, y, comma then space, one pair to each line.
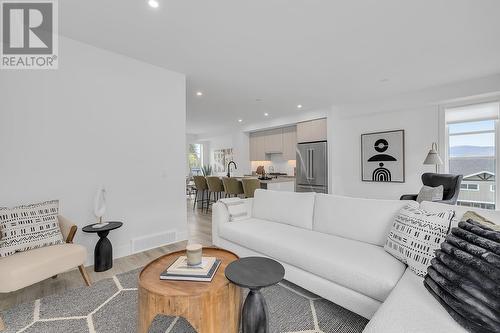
429, 193
29, 227
416, 234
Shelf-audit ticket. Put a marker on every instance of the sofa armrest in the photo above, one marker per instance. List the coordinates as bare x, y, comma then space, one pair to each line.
68, 228
220, 215
409, 197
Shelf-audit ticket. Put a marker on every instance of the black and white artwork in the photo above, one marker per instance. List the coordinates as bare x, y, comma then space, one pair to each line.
221, 158
383, 156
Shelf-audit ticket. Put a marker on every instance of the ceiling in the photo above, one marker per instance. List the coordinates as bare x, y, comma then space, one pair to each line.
287, 52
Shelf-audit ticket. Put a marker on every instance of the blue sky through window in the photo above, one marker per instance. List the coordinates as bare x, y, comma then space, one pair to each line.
479, 139
484, 125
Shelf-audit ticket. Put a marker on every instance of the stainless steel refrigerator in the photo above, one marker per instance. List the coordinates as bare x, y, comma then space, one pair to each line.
312, 167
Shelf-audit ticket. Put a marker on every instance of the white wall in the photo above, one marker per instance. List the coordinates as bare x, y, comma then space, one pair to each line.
241, 151
417, 113
421, 130
101, 118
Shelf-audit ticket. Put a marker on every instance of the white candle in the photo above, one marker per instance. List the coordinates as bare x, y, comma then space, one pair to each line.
193, 253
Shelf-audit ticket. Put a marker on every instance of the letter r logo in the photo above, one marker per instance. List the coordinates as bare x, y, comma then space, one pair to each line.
27, 28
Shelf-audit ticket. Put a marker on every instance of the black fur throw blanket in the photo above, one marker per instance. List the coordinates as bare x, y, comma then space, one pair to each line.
465, 276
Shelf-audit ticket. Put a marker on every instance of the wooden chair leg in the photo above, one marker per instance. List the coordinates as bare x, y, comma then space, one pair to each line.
85, 276
2, 326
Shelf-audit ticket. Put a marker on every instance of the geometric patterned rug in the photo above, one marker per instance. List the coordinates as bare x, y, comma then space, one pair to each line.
110, 306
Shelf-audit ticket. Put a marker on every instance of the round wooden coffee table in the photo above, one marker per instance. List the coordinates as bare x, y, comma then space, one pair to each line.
210, 307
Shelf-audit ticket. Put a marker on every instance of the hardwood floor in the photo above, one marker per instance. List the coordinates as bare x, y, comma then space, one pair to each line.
199, 229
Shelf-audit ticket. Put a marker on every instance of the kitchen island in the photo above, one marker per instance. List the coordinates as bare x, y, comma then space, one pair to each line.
280, 183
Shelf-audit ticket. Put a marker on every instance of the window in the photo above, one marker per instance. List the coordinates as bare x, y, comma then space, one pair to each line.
469, 187
195, 157
471, 151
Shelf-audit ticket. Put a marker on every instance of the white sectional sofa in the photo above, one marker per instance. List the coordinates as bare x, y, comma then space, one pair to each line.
333, 246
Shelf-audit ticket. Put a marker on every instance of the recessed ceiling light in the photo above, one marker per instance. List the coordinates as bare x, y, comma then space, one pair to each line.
199, 93
153, 3
299, 106
240, 120
266, 114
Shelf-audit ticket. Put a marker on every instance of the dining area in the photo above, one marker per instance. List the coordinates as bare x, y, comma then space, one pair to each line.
209, 189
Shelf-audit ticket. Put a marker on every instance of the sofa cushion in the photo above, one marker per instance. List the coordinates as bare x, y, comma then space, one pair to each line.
25, 268
410, 308
362, 267
365, 220
284, 207
29, 227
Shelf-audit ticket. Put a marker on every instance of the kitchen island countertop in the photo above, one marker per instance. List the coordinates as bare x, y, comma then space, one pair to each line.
280, 179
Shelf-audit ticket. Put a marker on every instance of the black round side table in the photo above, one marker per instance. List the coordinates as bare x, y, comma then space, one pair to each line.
255, 273
103, 252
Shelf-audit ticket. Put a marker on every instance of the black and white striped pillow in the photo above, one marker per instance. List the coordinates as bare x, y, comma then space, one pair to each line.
416, 234
29, 227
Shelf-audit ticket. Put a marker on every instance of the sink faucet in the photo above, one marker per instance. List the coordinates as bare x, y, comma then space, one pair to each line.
229, 168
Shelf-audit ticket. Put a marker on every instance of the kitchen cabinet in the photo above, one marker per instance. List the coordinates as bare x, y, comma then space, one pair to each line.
282, 186
273, 141
257, 146
281, 141
311, 131
289, 143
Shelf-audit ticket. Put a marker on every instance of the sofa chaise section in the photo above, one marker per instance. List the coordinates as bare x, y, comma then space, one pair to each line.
411, 308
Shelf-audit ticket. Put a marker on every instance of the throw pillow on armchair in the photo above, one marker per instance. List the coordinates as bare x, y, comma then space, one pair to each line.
29, 227
429, 193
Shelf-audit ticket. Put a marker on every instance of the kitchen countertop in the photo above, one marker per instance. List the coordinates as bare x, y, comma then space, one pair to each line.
280, 179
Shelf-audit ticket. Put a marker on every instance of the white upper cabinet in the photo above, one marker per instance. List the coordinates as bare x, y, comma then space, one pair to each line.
310, 131
276, 141
273, 141
289, 142
257, 146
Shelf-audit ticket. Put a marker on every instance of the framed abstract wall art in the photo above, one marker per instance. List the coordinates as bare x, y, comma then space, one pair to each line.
221, 158
383, 157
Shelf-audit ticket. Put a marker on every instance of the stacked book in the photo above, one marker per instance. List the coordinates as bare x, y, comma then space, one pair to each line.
181, 271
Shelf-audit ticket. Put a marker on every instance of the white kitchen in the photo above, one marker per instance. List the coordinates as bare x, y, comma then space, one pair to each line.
285, 157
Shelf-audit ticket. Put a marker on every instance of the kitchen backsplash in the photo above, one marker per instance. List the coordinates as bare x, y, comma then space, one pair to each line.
277, 163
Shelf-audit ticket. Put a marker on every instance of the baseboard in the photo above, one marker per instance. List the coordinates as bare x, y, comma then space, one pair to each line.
124, 250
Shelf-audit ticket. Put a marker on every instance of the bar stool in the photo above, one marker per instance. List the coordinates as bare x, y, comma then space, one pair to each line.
201, 187
232, 187
216, 187
249, 186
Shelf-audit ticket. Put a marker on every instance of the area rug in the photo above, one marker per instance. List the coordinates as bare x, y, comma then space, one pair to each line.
110, 305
